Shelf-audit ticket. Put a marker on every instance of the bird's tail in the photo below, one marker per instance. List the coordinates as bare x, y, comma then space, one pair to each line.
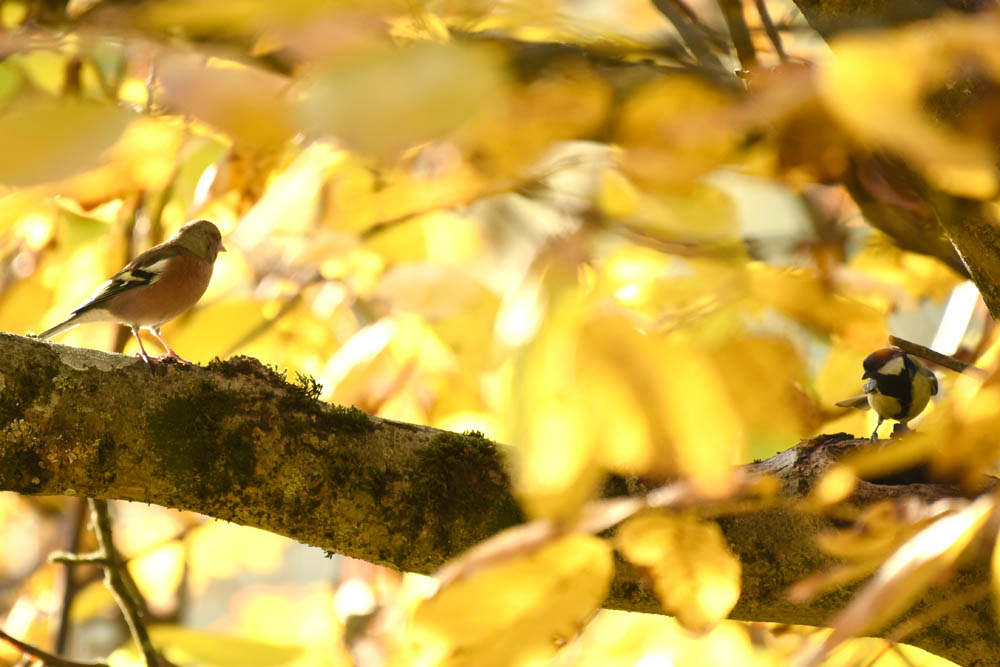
859, 402
59, 328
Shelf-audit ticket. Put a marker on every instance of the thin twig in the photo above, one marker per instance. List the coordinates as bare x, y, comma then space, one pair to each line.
69, 580
70, 558
770, 29
930, 355
732, 11
49, 659
120, 582
269, 323
692, 37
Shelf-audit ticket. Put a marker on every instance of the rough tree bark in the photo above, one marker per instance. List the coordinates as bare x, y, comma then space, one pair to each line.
237, 442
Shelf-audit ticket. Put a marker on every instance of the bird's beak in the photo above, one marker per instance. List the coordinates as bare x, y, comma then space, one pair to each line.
867, 375
222, 248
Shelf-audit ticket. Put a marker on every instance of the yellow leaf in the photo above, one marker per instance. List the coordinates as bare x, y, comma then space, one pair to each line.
695, 575
663, 424
622, 639
93, 599
382, 101
995, 573
556, 471
185, 646
877, 532
211, 330
906, 574
689, 212
708, 435
44, 68
159, 573
49, 139
571, 101
902, 102
835, 485
235, 17
675, 130
246, 103
617, 197
778, 410
518, 612
10, 78
434, 291
23, 305
802, 296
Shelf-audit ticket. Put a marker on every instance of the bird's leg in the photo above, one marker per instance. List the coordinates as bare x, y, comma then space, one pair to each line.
875, 432
170, 353
900, 429
142, 350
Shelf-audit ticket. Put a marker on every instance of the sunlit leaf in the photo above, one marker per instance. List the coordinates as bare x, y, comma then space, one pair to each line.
432, 290
557, 470
91, 600
695, 575
23, 304
921, 275
184, 646
802, 296
45, 69
779, 410
690, 212
675, 130
834, 486
10, 79
359, 99
48, 139
159, 573
622, 639
232, 18
569, 102
517, 611
248, 104
995, 574
617, 196
901, 103
655, 423
905, 575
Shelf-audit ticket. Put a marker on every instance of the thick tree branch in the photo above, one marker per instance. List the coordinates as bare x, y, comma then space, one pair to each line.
830, 17
237, 442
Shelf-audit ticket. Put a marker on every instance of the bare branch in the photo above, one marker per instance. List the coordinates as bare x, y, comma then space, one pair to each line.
930, 355
118, 579
772, 32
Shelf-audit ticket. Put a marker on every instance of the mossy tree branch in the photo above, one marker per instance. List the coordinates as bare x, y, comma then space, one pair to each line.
237, 442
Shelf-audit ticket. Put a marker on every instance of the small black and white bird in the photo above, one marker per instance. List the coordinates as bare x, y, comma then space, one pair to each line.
897, 386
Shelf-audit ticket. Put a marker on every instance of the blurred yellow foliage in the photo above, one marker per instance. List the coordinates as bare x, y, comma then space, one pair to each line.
695, 575
529, 219
528, 608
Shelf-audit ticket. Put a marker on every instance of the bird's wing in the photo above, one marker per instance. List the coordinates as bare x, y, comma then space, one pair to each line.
859, 402
144, 270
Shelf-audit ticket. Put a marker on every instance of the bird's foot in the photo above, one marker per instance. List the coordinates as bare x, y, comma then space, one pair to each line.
900, 429
173, 357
